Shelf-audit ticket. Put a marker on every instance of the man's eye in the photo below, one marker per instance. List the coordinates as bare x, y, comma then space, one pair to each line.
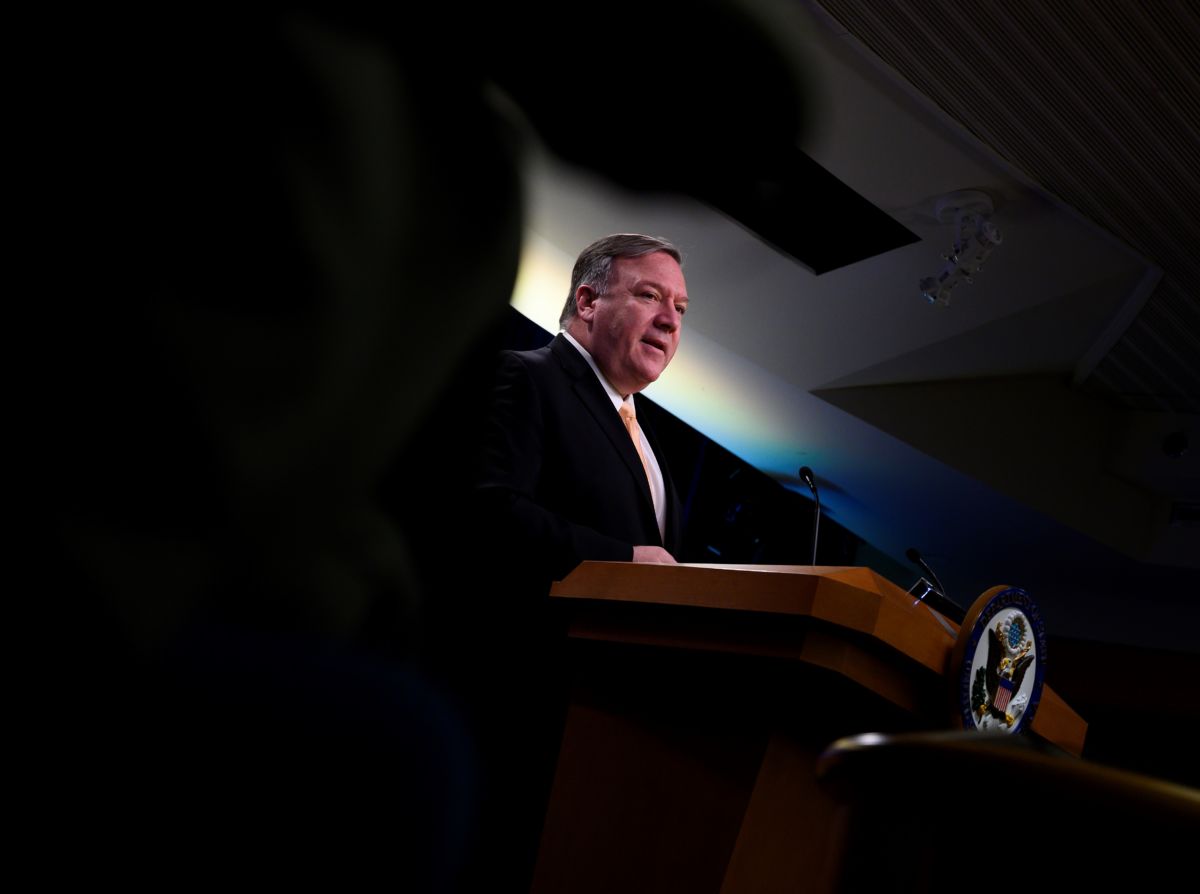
681, 308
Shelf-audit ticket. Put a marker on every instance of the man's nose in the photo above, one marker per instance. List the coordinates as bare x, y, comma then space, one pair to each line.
668, 318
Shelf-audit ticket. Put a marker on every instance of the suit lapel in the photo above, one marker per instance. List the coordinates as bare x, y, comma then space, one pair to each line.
591, 393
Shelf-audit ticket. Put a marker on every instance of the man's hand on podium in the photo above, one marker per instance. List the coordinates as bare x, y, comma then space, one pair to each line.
653, 554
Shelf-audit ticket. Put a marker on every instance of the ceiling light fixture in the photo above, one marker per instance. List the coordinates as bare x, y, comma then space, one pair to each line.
975, 237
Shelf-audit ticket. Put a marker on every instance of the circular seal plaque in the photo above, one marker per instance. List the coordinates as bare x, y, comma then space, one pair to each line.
999, 661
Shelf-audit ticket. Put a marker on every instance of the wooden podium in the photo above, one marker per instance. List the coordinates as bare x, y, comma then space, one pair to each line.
703, 696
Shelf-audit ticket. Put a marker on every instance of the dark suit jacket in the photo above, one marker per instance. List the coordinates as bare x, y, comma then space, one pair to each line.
561, 477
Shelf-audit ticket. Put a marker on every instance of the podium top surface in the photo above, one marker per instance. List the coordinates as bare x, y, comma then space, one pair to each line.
851, 599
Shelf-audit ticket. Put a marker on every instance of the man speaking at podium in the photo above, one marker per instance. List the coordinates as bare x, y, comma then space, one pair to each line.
569, 471
568, 474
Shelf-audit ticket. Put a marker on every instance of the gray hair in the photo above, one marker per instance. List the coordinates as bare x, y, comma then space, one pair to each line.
594, 266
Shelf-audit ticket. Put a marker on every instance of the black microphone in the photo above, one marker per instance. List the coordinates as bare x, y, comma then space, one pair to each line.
941, 602
806, 475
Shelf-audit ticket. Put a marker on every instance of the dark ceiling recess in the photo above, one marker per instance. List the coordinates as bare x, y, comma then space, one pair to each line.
808, 213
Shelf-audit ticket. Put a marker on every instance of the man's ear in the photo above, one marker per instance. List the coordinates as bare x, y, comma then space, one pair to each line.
585, 302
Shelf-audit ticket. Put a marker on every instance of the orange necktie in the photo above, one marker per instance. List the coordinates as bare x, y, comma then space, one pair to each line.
631, 425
